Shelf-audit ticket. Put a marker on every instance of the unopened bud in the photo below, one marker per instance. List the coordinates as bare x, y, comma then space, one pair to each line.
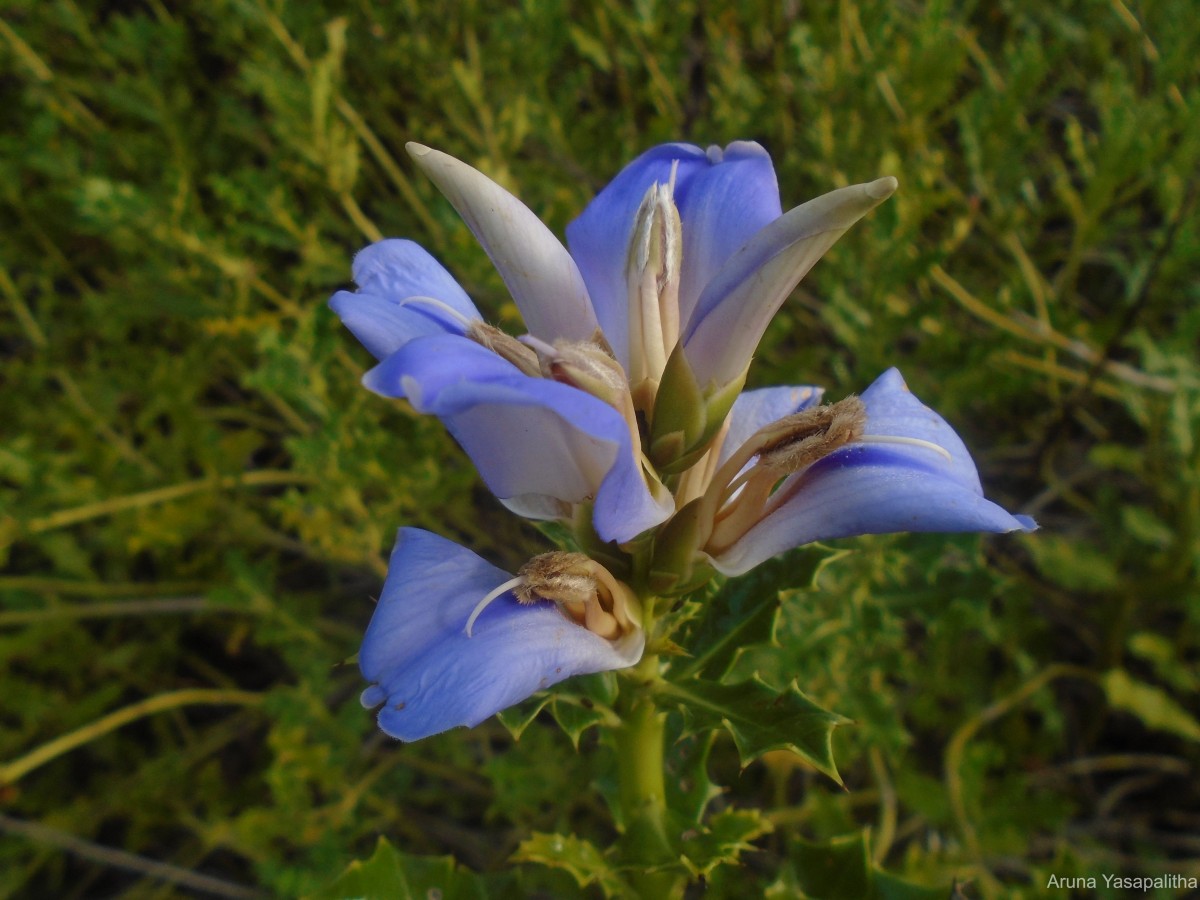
653, 265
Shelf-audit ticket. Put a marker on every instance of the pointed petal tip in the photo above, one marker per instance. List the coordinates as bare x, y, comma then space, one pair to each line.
416, 151
882, 188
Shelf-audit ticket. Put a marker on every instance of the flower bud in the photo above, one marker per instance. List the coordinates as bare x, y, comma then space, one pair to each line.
653, 265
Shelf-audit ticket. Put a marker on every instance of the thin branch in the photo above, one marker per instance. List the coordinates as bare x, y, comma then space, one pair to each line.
123, 859
17, 769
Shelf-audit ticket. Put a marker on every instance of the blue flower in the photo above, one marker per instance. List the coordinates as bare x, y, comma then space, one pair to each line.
628, 381
429, 674
711, 209
905, 470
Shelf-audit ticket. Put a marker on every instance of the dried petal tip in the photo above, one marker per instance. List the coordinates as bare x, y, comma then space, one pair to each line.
882, 188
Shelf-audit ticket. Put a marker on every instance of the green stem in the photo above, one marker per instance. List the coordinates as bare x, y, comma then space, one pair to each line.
646, 841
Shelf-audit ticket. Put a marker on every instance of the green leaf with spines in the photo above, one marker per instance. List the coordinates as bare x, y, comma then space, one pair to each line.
842, 869
722, 841
759, 719
576, 856
689, 789
1154, 706
745, 611
392, 875
585, 702
517, 718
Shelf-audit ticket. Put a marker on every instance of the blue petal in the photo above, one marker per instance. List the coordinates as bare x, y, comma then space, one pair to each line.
721, 207
756, 409
723, 197
432, 677
874, 488
599, 238
541, 446
738, 302
537, 269
388, 273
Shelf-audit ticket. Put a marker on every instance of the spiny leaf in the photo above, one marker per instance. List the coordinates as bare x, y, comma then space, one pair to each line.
689, 789
580, 858
723, 841
760, 719
842, 869
392, 875
744, 613
517, 718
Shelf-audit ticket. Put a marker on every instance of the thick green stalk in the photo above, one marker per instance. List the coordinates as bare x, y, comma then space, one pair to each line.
647, 842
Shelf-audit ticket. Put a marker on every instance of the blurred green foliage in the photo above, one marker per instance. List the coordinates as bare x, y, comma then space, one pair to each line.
196, 496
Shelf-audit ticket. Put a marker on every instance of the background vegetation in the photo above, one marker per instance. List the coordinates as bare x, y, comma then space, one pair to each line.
196, 496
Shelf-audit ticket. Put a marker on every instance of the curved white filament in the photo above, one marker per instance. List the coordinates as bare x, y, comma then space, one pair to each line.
439, 305
911, 441
492, 595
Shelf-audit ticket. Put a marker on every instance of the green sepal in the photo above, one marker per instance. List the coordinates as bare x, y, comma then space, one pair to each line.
392, 875
580, 858
675, 547
685, 435
842, 869
760, 719
679, 417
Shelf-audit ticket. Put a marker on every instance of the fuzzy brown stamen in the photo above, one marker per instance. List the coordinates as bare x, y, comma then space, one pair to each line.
584, 591
505, 346
813, 434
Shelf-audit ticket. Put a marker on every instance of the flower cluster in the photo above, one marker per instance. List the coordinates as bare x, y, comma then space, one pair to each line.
622, 413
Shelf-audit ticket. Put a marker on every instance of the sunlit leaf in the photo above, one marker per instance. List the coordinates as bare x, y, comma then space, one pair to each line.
585, 863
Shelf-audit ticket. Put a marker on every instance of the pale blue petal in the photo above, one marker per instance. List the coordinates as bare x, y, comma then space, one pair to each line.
399, 268
388, 273
723, 197
541, 276
739, 301
382, 325
721, 207
431, 676
541, 446
756, 409
872, 488
599, 238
